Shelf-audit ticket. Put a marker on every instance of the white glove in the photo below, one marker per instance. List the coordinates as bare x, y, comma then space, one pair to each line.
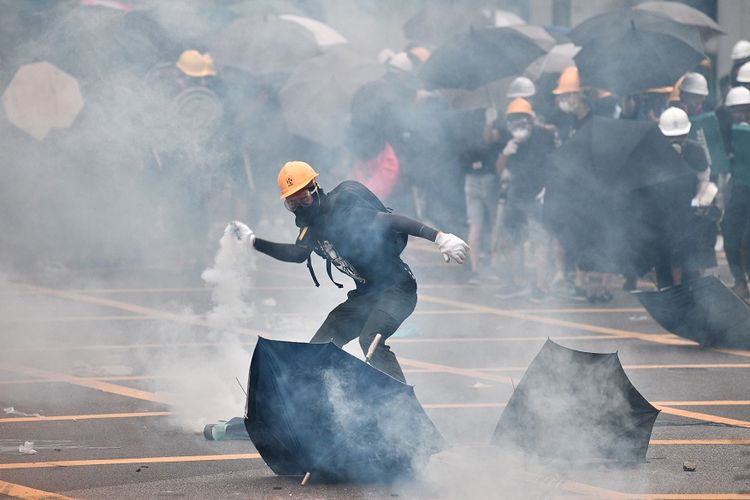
240, 231
511, 148
695, 202
452, 247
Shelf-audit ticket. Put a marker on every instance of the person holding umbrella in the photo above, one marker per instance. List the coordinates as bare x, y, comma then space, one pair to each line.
351, 229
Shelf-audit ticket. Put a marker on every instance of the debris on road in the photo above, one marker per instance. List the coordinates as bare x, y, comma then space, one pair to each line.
688, 466
12, 411
27, 448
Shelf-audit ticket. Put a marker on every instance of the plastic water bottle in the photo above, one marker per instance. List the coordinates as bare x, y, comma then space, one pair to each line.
215, 432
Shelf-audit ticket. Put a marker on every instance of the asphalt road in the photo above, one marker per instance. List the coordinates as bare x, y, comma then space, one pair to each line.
87, 349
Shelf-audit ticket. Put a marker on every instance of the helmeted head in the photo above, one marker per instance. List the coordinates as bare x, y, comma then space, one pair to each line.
299, 189
738, 103
692, 90
521, 87
675, 125
569, 93
519, 116
741, 50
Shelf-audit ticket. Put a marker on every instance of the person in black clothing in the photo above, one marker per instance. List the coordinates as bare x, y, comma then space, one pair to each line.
351, 229
525, 158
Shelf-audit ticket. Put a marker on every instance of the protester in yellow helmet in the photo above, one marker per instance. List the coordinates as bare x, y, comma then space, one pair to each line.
352, 230
524, 161
196, 65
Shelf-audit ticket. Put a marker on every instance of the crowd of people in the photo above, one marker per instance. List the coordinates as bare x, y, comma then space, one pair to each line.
501, 158
216, 135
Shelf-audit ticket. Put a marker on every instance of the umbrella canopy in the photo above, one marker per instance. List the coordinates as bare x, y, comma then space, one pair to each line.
42, 97
272, 44
684, 14
94, 43
536, 33
577, 406
314, 408
435, 22
316, 99
703, 310
628, 51
616, 192
557, 59
479, 56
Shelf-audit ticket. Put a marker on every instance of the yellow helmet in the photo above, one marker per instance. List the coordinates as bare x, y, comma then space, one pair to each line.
568, 82
293, 176
195, 64
519, 105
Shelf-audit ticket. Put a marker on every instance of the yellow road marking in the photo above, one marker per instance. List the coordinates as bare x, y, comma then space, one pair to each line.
26, 493
710, 442
692, 496
122, 461
419, 340
108, 379
93, 416
456, 371
697, 366
459, 406
508, 313
703, 416
87, 382
703, 403
734, 352
133, 308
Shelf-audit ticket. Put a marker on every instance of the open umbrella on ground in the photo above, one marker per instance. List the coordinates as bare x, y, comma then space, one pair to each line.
314, 408
577, 405
684, 14
42, 97
627, 51
479, 56
703, 310
618, 194
272, 44
316, 99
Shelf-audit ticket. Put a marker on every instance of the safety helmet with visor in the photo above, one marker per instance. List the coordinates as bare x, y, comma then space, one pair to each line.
297, 186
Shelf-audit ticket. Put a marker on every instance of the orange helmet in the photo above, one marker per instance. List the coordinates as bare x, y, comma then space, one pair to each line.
519, 105
195, 64
293, 176
568, 82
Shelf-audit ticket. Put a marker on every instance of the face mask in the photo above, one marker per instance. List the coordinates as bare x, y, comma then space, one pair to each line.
520, 133
677, 146
565, 106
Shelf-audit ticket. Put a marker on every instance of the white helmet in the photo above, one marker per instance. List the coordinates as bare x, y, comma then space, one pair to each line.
741, 50
743, 74
673, 122
737, 96
521, 87
694, 83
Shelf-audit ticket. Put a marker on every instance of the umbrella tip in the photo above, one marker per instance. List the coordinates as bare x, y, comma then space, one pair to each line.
305, 479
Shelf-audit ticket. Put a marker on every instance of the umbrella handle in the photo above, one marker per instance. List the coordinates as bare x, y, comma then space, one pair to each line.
305, 479
373, 346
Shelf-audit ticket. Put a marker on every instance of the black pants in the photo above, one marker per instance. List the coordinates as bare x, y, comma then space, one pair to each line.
364, 314
736, 229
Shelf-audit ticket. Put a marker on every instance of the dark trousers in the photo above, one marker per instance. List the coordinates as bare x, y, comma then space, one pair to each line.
364, 314
736, 229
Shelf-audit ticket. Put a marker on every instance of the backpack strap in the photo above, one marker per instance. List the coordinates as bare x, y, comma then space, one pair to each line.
312, 271
330, 275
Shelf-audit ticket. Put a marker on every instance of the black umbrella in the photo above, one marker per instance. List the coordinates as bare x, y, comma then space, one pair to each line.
314, 408
435, 23
628, 51
577, 406
703, 310
479, 56
317, 97
269, 44
617, 193
684, 14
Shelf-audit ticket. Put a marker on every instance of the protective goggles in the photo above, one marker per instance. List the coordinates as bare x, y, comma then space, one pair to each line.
304, 197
